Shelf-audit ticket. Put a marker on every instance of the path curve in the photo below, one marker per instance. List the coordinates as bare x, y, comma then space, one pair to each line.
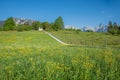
73, 44
56, 38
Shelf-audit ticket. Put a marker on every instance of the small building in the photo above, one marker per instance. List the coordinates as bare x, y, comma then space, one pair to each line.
40, 29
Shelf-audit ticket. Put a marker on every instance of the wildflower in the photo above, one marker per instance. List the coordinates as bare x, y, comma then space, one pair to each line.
87, 65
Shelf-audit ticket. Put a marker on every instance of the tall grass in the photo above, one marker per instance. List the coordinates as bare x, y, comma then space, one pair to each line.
52, 61
91, 39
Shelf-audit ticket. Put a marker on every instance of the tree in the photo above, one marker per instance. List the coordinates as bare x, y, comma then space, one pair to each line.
27, 27
55, 27
45, 25
110, 26
115, 26
36, 25
9, 24
89, 31
59, 24
20, 28
118, 29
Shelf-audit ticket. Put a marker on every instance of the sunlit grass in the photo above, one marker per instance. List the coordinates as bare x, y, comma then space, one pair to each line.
26, 39
91, 39
36, 56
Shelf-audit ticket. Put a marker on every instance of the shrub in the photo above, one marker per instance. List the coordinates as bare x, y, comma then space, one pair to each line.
77, 31
20, 28
27, 28
89, 31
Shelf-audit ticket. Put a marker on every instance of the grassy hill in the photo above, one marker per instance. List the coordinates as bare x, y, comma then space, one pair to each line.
90, 39
34, 55
26, 39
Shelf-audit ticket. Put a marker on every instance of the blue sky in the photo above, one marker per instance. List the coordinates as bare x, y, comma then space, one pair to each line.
77, 13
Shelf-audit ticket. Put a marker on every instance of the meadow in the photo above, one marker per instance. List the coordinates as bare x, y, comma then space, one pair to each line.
90, 39
33, 55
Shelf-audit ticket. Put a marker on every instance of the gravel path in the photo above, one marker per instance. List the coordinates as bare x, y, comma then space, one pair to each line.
56, 38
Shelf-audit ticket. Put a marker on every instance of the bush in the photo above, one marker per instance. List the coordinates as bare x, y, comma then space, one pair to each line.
113, 31
70, 29
77, 31
20, 28
27, 28
89, 31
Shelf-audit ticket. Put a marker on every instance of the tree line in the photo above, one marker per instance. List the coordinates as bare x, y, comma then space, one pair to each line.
58, 24
9, 24
113, 28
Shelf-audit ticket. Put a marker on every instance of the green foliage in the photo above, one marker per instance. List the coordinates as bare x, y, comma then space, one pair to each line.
78, 31
113, 28
59, 24
45, 25
110, 26
119, 30
55, 27
19, 28
89, 31
27, 28
9, 24
69, 29
115, 25
34, 55
36, 25
113, 31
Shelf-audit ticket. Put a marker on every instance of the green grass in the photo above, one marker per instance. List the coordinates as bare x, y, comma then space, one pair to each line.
26, 39
34, 55
88, 38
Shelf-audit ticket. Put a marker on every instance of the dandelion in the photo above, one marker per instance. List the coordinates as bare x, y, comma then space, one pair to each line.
75, 61
58, 67
87, 65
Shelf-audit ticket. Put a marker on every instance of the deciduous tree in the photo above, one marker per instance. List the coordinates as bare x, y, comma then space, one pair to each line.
45, 25
36, 25
59, 24
9, 24
110, 26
